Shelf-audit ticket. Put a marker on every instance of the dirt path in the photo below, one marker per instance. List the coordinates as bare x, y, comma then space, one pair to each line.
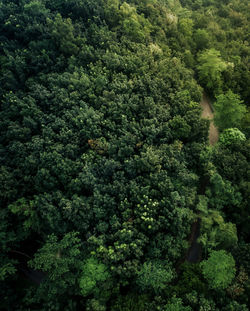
195, 250
207, 113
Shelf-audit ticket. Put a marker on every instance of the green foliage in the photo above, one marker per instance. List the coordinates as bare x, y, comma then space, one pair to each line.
196, 300
232, 163
210, 68
229, 111
176, 304
56, 256
190, 279
231, 136
242, 255
154, 276
215, 232
62, 32
100, 134
186, 26
135, 26
60, 260
6, 269
201, 38
130, 302
219, 269
93, 275
180, 127
221, 193
23, 208
235, 306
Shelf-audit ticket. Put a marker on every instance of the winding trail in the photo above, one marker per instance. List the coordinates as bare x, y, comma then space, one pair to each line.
195, 250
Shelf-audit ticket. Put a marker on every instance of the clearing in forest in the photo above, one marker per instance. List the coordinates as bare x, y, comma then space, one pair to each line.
208, 114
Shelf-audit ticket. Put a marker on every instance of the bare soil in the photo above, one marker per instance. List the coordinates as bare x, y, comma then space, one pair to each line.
207, 113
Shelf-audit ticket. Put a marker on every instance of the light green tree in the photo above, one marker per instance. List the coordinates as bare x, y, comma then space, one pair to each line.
210, 67
229, 110
186, 26
231, 136
93, 273
135, 26
154, 276
219, 269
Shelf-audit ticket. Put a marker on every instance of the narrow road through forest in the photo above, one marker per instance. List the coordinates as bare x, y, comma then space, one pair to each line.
194, 252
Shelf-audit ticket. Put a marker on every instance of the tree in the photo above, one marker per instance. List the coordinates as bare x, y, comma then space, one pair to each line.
210, 68
237, 288
176, 304
222, 193
231, 136
219, 269
215, 232
235, 306
180, 128
100, 133
186, 26
130, 302
242, 255
93, 275
201, 38
62, 32
154, 276
189, 279
60, 260
229, 110
25, 210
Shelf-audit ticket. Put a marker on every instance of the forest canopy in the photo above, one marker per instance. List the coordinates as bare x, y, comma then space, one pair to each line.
106, 172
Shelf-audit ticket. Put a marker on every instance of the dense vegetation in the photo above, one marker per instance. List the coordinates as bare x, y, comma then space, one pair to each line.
105, 164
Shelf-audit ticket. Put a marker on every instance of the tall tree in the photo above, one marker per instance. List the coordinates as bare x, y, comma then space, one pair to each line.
229, 110
210, 67
219, 269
